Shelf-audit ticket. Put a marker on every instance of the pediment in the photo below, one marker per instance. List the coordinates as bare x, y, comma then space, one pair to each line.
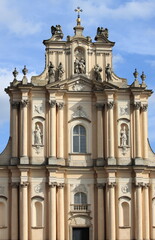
81, 83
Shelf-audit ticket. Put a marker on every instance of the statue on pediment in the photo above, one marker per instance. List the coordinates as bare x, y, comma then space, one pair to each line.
51, 72
108, 72
79, 66
101, 32
97, 72
61, 71
57, 32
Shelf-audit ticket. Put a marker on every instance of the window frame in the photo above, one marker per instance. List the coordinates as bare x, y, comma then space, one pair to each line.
79, 135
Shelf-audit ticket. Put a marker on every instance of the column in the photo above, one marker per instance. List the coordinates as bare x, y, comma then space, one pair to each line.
145, 130
14, 211
137, 130
139, 211
24, 158
52, 212
101, 215
112, 222
110, 106
99, 130
61, 220
60, 129
14, 135
24, 211
52, 145
146, 212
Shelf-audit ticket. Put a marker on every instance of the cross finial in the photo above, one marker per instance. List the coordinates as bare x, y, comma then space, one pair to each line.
78, 9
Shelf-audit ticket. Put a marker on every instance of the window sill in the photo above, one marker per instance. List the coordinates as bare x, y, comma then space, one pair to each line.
37, 227
79, 154
125, 227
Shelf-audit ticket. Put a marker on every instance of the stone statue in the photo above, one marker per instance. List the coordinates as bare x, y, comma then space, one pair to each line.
101, 32
57, 32
97, 72
51, 72
123, 137
79, 66
37, 135
108, 72
60, 71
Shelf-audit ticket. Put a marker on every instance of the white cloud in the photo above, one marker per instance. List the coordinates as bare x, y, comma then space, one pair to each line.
117, 59
12, 18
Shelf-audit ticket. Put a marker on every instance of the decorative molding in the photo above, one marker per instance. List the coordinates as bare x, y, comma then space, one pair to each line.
53, 184
99, 106
52, 103
24, 103
60, 105
78, 86
110, 104
24, 184
79, 113
80, 188
144, 107
61, 185
15, 104
137, 105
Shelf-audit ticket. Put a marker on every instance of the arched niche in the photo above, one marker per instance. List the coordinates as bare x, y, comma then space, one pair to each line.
124, 212
37, 214
79, 60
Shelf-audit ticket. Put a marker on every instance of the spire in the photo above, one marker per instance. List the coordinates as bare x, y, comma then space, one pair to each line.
78, 29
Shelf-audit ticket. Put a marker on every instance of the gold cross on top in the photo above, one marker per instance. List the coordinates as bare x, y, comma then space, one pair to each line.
78, 9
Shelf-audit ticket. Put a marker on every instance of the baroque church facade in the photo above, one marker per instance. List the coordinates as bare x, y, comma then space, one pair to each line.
78, 165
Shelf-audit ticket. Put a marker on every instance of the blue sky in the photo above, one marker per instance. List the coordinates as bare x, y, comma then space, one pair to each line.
25, 24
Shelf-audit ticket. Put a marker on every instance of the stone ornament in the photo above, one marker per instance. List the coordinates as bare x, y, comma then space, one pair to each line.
144, 107
108, 72
78, 86
97, 73
15, 104
24, 102
79, 63
38, 135
137, 105
38, 108
60, 71
125, 189
80, 188
110, 104
52, 103
101, 32
57, 33
38, 188
123, 137
51, 72
79, 113
124, 110
60, 105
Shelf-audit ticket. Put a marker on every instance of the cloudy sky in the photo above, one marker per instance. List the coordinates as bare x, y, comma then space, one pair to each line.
25, 24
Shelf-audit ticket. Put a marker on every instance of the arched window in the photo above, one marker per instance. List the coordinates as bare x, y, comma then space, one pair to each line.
2, 214
79, 139
37, 212
80, 198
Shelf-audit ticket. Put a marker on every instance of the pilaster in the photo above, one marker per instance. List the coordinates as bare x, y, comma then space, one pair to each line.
100, 143
14, 211
101, 213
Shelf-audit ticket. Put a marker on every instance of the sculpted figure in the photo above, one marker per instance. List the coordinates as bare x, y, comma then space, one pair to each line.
124, 137
97, 72
57, 32
79, 66
51, 72
60, 71
108, 72
37, 135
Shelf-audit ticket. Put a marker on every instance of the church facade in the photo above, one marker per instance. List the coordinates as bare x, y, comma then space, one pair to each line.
78, 165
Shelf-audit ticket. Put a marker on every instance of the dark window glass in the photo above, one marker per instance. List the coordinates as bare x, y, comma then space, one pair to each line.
79, 139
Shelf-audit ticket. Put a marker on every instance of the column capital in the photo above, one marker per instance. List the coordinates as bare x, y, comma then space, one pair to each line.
99, 106
24, 184
137, 105
15, 104
100, 185
110, 104
60, 105
111, 184
61, 185
144, 107
14, 184
24, 102
146, 185
52, 103
139, 184
52, 184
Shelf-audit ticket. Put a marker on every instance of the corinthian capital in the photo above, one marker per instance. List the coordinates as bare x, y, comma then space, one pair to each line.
137, 105
60, 105
144, 107
110, 104
15, 104
52, 103
24, 103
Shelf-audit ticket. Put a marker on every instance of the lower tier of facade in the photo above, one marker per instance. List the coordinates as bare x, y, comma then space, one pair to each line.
77, 203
